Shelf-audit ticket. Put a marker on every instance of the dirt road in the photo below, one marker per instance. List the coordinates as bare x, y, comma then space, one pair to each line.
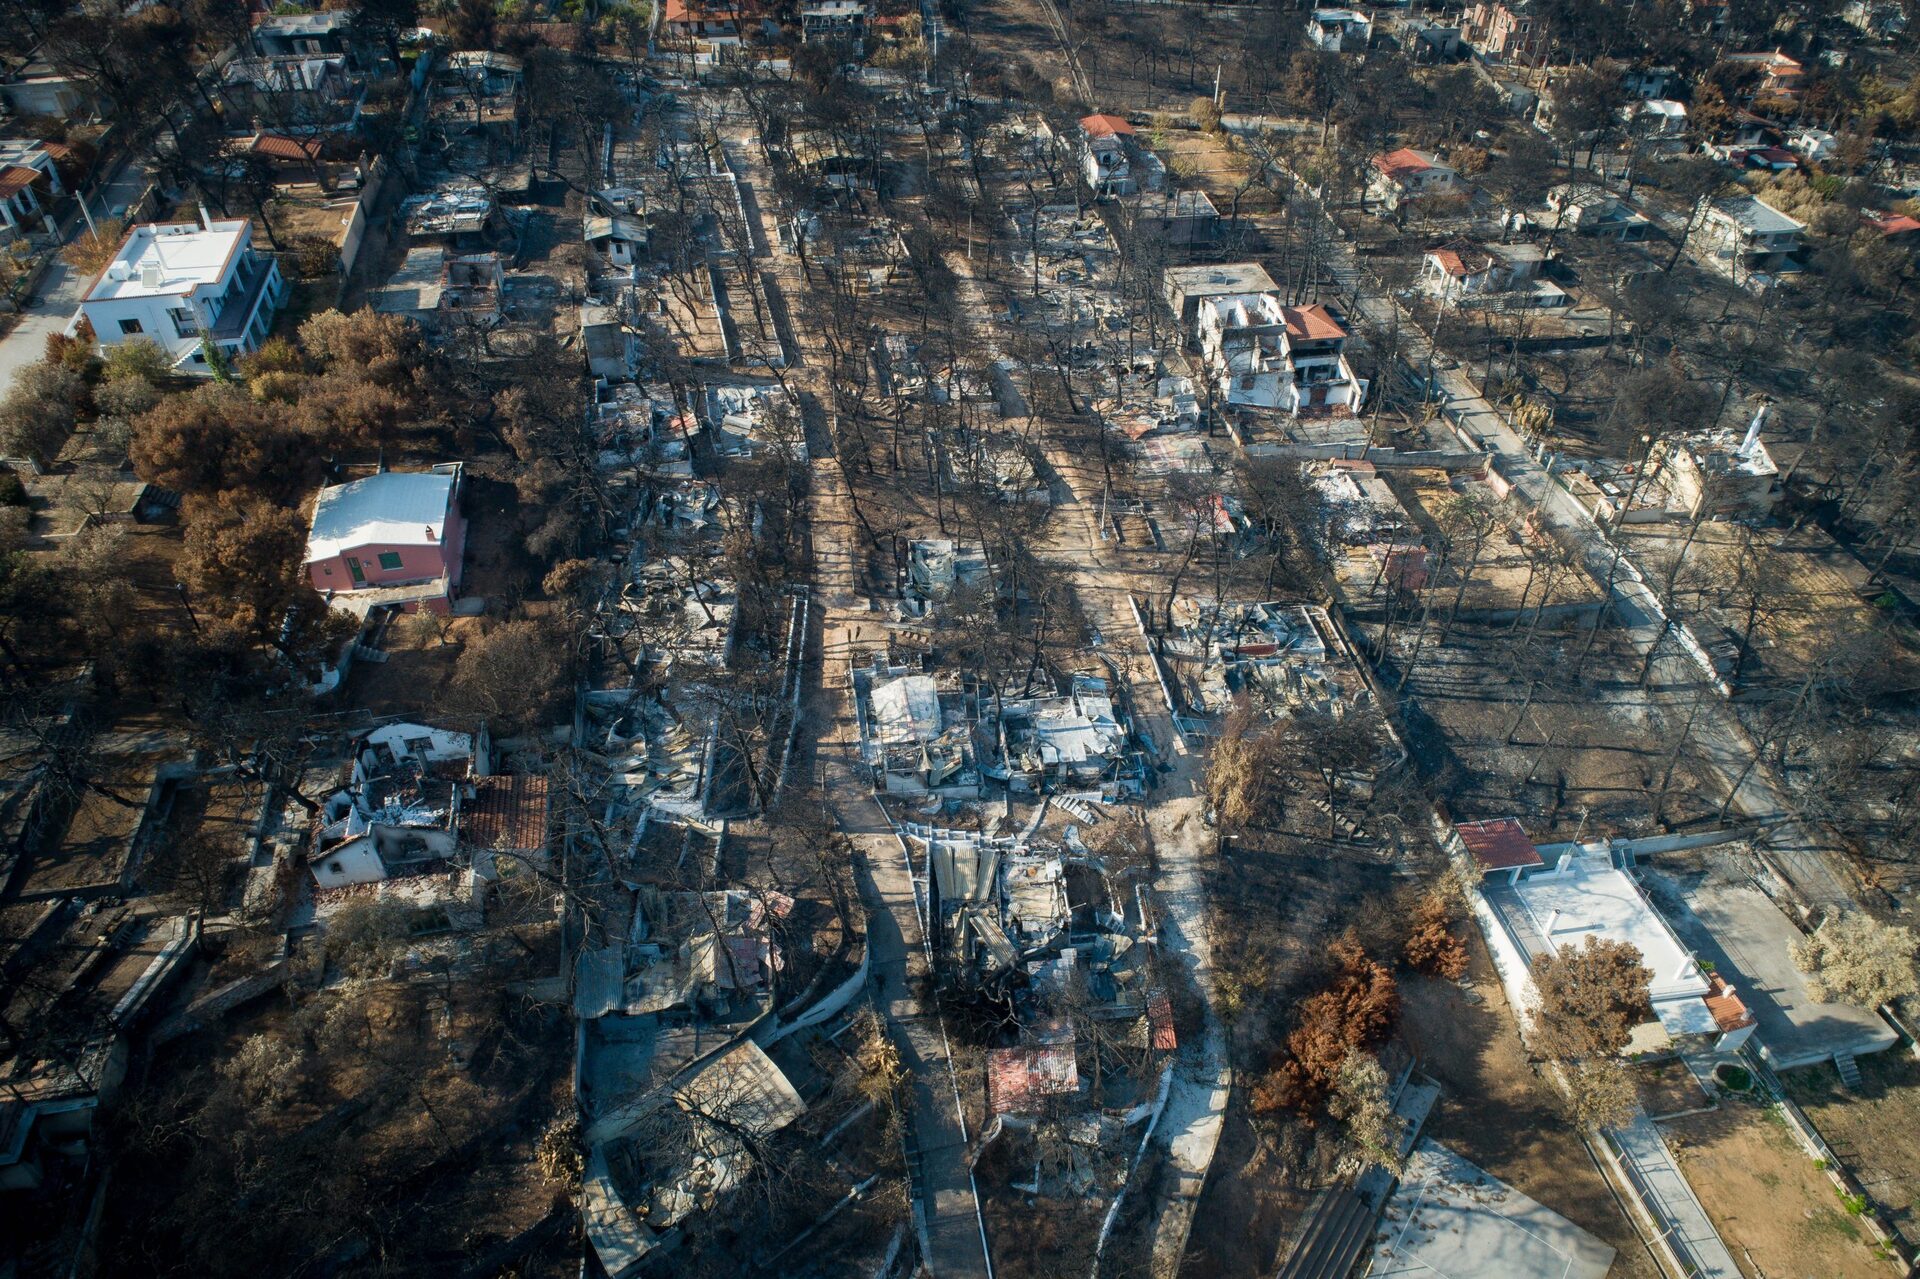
947, 1212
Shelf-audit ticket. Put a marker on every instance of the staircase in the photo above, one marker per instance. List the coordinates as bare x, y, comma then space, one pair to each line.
1849, 1071
1336, 1234
1353, 832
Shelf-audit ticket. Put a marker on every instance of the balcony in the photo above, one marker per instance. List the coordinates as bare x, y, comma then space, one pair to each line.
237, 313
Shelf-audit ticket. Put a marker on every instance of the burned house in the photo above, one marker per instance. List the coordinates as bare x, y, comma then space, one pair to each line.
677, 1151
460, 217
747, 419
1717, 473
672, 1094
612, 348
440, 290
642, 427
935, 568
478, 92
1077, 741
416, 799
917, 735
709, 953
897, 367
1281, 656
992, 904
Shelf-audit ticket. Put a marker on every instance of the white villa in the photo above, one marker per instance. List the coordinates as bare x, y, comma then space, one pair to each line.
180, 282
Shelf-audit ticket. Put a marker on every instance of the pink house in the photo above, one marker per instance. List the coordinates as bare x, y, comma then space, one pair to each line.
395, 538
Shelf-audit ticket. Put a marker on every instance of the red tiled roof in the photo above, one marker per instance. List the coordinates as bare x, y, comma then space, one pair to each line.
278, 146
1311, 323
1160, 1022
1501, 844
16, 178
1402, 163
1019, 1079
1890, 223
1105, 126
697, 11
1462, 259
1729, 1012
506, 813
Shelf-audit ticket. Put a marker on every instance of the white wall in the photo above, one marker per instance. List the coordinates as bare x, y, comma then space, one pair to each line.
354, 862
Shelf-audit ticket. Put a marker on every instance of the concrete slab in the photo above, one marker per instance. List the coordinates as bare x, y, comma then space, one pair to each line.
1666, 1193
1748, 939
1449, 1219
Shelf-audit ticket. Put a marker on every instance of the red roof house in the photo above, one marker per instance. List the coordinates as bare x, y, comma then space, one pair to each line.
1890, 224
1499, 845
1105, 126
1312, 324
1403, 163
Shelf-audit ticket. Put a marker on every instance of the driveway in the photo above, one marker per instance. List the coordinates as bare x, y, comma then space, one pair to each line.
58, 295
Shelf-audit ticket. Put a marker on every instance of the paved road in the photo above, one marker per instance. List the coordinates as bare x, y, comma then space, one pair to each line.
1808, 858
58, 296
952, 1233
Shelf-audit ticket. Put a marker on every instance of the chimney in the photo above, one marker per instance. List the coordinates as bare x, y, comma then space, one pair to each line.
206, 219
1753, 428
430, 534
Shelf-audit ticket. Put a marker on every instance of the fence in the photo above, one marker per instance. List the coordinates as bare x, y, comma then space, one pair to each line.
1849, 1188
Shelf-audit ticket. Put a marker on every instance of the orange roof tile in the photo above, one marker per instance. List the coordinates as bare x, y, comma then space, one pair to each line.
16, 178
1160, 1022
1501, 844
1890, 223
1312, 323
704, 11
280, 147
1105, 126
1729, 1012
506, 813
1402, 163
1020, 1079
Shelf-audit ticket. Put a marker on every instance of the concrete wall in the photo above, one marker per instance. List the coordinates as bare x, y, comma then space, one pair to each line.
356, 862
1508, 959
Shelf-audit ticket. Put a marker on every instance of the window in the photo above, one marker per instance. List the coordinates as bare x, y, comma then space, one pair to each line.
185, 322
389, 559
130, 326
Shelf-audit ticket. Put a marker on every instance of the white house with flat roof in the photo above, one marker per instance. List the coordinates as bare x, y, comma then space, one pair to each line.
181, 282
1530, 907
